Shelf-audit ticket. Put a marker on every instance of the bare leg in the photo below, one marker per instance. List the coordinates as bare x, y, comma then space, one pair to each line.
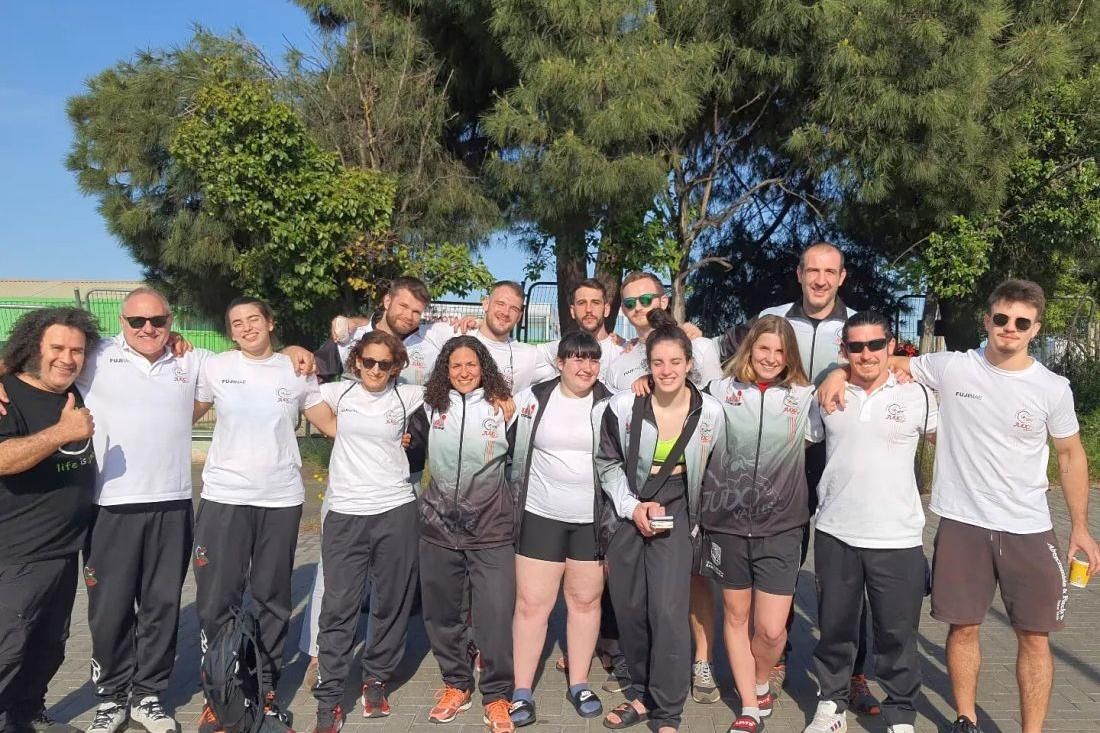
964, 662
736, 606
701, 616
583, 588
537, 583
769, 631
1035, 675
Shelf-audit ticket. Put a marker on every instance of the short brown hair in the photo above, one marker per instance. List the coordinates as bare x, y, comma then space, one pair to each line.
636, 275
591, 283
261, 305
1020, 291
414, 285
397, 350
740, 366
512, 285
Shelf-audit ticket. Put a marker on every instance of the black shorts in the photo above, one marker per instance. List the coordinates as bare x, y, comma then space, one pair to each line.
769, 564
553, 541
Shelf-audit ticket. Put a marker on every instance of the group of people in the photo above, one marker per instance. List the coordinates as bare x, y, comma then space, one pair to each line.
648, 481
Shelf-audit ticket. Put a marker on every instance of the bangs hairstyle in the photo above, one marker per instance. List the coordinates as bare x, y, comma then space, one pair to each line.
264, 308
665, 328
579, 344
437, 390
23, 352
740, 366
867, 318
1020, 291
398, 352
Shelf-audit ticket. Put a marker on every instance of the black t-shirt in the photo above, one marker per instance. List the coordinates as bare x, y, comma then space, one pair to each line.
44, 511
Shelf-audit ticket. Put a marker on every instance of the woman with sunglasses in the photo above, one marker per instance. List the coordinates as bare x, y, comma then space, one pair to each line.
467, 528
246, 528
653, 455
370, 530
555, 488
754, 516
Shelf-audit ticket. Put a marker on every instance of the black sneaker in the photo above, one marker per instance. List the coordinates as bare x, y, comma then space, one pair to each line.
375, 704
964, 724
43, 723
329, 720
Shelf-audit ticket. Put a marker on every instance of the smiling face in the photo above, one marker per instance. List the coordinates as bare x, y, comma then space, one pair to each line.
635, 306
503, 309
403, 312
250, 329
61, 357
375, 367
464, 370
868, 365
669, 366
1010, 339
821, 273
579, 373
768, 357
590, 310
147, 339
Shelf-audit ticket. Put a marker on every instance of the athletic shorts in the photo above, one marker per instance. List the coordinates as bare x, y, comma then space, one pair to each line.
969, 563
768, 564
553, 541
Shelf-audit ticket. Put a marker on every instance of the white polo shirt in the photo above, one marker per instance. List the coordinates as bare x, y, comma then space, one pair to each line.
632, 364
868, 495
368, 469
142, 414
253, 458
422, 346
516, 360
547, 366
991, 450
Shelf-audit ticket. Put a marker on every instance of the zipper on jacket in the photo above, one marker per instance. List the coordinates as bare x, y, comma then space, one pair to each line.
458, 473
756, 461
813, 347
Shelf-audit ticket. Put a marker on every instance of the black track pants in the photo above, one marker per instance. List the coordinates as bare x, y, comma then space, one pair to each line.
237, 545
382, 549
135, 562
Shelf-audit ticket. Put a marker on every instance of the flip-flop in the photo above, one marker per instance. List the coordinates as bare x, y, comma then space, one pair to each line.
628, 716
586, 699
522, 712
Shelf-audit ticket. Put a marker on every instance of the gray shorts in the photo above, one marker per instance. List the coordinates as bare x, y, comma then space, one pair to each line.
768, 564
970, 562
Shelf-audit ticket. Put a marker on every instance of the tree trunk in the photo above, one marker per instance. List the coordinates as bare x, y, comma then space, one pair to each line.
678, 301
928, 324
571, 256
609, 271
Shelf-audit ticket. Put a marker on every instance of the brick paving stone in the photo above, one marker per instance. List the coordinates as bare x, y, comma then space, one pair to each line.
1075, 703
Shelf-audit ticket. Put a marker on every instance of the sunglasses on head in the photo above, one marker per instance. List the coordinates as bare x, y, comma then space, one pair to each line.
646, 299
857, 347
1001, 320
368, 364
140, 321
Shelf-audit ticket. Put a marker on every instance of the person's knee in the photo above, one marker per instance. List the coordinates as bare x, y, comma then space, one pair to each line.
582, 601
966, 634
772, 634
529, 607
736, 618
1033, 642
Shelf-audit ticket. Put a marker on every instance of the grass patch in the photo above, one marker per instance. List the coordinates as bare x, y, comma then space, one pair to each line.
315, 450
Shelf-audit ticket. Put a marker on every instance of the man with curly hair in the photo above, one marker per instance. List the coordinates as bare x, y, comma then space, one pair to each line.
47, 479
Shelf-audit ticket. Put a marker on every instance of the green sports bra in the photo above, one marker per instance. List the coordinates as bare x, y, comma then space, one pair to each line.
662, 449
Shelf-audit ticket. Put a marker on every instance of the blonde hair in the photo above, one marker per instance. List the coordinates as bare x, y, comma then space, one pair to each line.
740, 366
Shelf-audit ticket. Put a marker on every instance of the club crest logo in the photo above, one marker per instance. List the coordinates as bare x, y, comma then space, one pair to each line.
895, 412
790, 404
734, 397
1023, 420
394, 416
181, 375
529, 411
201, 561
489, 428
439, 422
283, 395
89, 576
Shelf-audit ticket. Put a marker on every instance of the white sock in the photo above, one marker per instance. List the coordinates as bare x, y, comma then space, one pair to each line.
751, 712
762, 689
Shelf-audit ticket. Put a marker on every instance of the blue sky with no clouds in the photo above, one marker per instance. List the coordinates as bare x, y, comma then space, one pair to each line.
48, 49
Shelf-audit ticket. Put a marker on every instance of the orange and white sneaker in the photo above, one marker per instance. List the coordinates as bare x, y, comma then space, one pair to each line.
375, 704
450, 701
498, 717
208, 722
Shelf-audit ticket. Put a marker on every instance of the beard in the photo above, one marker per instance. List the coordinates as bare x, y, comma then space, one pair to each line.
398, 330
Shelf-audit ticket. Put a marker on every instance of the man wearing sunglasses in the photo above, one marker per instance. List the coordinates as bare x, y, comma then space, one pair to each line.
998, 409
868, 539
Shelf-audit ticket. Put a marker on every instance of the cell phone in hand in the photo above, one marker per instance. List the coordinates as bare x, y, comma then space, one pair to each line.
664, 522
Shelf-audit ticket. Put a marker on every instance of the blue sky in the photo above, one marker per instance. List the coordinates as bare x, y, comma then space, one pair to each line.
48, 230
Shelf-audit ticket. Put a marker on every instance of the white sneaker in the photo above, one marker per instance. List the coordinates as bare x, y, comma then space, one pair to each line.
901, 728
151, 716
109, 718
827, 719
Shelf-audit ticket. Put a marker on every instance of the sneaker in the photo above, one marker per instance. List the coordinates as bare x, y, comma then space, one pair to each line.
767, 702
151, 716
109, 718
777, 677
450, 701
208, 722
964, 724
860, 698
901, 728
41, 722
272, 709
703, 688
827, 719
375, 704
312, 671
498, 716
329, 720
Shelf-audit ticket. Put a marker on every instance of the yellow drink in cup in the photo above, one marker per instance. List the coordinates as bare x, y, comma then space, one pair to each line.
1078, 573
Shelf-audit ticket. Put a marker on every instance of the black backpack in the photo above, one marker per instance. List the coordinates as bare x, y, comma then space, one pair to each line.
231, 678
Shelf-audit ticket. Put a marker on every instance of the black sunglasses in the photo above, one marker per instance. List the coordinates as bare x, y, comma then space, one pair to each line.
1001, 320
384, 365
646, 299
140, 321
857, 347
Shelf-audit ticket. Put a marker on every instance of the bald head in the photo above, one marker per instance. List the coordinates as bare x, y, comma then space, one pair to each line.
146, 321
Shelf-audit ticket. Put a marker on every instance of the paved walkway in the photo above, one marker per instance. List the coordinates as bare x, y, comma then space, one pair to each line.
1075, 704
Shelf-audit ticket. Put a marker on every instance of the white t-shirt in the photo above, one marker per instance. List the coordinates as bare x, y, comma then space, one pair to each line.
422, 346
142, 414
515, 360
628, 366
547, 366
991, 449
368, 469
254, 458
561, 482
868, 495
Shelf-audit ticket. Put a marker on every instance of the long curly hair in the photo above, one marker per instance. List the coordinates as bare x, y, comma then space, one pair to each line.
437, 391
23, 352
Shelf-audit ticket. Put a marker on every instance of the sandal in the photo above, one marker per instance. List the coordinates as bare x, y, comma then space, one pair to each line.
522, 712
628, 716
746, 724
586, 703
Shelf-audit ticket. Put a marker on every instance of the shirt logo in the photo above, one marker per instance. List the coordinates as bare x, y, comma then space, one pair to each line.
283, 395
1023, 420
706, 433
968, 395
896, 412
790, 405
228, 380
440, 422
529, 411
181, 375
489, 428
117, 360
394, 416
734, 398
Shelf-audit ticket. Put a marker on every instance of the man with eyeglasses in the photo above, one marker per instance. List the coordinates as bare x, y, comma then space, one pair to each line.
590, 309
868, 540
998, 408
47, 479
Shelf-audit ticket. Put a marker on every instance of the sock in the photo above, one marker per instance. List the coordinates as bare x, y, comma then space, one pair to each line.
522, 693
751, 712
575, 689
762, 689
